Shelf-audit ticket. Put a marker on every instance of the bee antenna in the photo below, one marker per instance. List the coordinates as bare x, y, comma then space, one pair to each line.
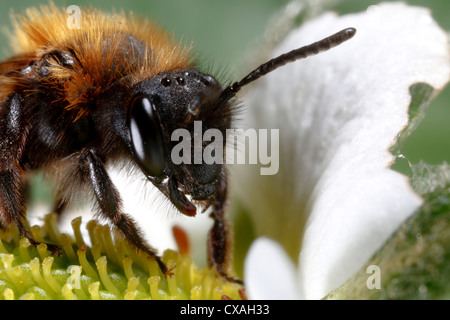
294, 55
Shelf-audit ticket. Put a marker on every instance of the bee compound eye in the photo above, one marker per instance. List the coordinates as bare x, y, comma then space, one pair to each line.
146, 136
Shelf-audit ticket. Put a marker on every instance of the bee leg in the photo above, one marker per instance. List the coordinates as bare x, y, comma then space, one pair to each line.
13, 133
219, 237
11, 200
109, 203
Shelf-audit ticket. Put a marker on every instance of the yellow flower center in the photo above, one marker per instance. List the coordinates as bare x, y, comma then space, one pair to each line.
107, 269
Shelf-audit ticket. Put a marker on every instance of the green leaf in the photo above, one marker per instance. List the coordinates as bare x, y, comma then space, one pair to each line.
426, 178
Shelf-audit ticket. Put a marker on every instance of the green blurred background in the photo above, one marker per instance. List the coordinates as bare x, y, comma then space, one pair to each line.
224, 31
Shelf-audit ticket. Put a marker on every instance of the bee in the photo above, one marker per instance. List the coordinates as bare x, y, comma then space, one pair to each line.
75, 101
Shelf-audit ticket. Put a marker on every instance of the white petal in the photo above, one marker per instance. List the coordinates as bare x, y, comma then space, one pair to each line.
269, 273
338, 114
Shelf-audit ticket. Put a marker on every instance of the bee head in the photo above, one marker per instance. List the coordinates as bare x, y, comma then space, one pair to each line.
168, 117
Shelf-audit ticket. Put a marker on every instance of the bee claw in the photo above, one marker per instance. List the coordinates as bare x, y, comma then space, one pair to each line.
167, 272
54, 249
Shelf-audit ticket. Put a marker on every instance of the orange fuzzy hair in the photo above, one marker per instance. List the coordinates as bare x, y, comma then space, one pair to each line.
41, 31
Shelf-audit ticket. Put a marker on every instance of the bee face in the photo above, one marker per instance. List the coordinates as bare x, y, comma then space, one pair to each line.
159, 106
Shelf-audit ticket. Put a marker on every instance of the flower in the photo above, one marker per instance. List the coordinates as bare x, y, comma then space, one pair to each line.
107, 270
335, 200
